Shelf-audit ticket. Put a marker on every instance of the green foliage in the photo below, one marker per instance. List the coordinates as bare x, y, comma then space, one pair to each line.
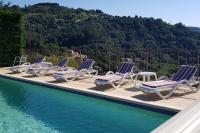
11, 35
167, 69
105, 38
74, 62
48, 24
51, 29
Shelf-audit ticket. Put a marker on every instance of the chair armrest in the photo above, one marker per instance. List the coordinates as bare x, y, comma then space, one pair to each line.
17, 57
109, 72
183, 81
133, 74
172, 74
163, 78
97, 67
26, 63
47, 63
70, 68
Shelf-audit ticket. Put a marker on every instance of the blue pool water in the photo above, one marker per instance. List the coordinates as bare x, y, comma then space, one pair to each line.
30, 108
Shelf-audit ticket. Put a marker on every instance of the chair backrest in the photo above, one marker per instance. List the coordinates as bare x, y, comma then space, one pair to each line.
62, 62
20, 60
125, 67
191, 73
86, 64
185, 72
23, 59
39, 59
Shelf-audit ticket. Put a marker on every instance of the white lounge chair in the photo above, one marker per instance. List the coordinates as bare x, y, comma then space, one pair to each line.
125, 70
48, 68
86, 67
24, 67
184, 76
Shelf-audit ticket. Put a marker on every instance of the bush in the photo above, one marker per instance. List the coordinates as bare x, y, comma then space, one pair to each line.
11, 35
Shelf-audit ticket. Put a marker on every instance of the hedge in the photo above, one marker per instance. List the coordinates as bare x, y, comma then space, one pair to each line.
11, 35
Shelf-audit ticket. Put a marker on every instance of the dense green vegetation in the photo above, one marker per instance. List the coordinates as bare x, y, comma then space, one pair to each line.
50, 29
11, 34
53, 26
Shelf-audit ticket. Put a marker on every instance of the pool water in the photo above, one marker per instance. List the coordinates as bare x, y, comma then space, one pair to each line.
30, 108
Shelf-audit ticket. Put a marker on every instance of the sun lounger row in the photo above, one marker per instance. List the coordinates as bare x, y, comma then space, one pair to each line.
59, 71
184, 75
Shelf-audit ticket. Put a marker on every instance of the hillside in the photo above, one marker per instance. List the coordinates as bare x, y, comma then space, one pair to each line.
51, 25
197, 29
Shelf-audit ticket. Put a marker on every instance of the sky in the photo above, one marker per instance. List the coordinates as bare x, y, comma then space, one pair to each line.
171, 11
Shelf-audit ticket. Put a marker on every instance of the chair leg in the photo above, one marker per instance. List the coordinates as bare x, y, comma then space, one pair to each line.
115, 86
120, 82
187, 83
164, 96
41, 73
167, 95
75, 76
136, 78
192, 88
96, 73
131, 76
66, 79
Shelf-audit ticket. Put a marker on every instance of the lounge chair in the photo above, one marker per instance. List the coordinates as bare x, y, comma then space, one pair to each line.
86, 67
48, 68
24, 67
19, 60
184, 76
125, 70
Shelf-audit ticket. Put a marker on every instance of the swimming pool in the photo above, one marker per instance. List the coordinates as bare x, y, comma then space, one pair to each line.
28, 107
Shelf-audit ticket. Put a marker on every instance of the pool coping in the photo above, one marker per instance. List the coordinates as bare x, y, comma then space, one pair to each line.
91, 93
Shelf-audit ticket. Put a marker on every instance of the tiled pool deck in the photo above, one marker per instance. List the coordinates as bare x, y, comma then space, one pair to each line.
180, 100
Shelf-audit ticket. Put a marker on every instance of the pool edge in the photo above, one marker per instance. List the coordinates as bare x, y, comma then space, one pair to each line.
157, 108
